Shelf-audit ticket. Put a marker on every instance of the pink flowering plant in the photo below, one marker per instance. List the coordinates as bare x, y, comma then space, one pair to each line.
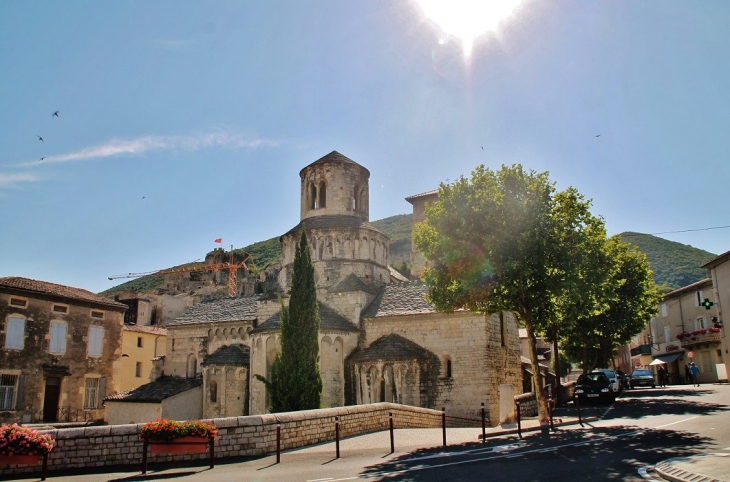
168, 430
18, 440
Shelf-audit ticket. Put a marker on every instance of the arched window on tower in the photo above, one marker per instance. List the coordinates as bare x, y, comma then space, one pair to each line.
312, 196
322, 195
355, 202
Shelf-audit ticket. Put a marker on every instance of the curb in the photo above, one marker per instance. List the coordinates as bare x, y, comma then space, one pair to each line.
668, 470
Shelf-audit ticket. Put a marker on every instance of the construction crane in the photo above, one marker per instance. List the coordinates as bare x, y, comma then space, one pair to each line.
214, 267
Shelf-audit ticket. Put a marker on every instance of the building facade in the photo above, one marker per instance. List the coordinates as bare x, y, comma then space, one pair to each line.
718, 270
59, 351
380, 340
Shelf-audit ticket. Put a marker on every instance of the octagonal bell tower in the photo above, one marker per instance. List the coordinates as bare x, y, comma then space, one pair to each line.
334, 209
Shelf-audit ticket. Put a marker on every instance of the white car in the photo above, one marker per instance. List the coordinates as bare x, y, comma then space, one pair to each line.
615, 384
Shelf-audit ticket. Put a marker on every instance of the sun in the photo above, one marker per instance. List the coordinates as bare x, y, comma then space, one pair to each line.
467, 19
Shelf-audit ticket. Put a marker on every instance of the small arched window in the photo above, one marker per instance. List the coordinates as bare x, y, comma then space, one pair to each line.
192, 366
213, 392
447, 366
312, 196
355, 203
322, 195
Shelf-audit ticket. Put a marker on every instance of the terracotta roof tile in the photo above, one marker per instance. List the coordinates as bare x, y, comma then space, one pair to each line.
157, 391
53, 289
153, 330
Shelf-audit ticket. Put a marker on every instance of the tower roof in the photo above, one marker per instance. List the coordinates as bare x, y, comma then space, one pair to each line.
333, 157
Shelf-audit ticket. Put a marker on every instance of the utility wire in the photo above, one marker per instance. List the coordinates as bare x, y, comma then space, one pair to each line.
682, 231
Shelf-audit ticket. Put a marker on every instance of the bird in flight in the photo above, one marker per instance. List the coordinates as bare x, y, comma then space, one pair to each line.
41, 158
599, 135
143, 197
482, 147
41, 139
55, 114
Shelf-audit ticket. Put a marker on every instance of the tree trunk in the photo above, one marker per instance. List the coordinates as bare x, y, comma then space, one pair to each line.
542, 414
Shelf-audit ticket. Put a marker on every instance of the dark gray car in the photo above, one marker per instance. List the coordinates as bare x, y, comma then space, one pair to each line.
642, 378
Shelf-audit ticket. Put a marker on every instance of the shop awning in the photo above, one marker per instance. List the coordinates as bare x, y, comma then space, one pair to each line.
668, 358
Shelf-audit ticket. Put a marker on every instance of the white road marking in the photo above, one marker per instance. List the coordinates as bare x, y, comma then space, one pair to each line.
675, 423
643, 472
321, 480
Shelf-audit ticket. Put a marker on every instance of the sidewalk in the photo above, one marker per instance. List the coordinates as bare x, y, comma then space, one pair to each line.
698, 468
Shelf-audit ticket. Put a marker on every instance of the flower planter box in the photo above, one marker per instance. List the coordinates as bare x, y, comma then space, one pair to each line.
178, 446
183, 445
20, 459
34, 459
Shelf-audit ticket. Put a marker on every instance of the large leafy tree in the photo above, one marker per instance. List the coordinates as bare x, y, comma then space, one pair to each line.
628, 299
296, 383
506, 240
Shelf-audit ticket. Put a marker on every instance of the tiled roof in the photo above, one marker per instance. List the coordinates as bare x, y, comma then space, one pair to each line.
333, 156
238, 355
329, 320
352, 283
689, 288
220, 310
61, 291
392, 347
395, 275
157, 391
332, 221
152, 330
718, 260
423, 194
400, 299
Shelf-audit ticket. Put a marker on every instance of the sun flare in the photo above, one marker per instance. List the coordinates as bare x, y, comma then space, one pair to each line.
467, 19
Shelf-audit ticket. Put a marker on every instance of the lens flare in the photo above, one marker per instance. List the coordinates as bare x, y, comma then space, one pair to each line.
468, 19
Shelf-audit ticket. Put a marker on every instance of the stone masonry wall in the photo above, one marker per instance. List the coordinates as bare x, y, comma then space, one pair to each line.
238, 436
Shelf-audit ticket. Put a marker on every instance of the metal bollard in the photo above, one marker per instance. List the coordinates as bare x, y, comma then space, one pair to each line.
392, 441
551, 409
484, 428
278, 442
337, 437
577, 404
443, 423
519, 419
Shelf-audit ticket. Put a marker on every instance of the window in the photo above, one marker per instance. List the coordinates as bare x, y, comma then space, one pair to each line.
99, 315
91, 393
322, 195
213, 392
664, 310
18, 302
96, 336
15, 333
502, 329
667, 338
58, 337
60, 309
447, 366
7, 391
139, 341
138, 369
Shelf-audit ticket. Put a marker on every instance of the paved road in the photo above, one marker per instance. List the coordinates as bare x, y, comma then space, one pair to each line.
642, 429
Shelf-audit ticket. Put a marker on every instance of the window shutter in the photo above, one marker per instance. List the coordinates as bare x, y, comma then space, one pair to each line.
102, 392
16, 334
58, 338
20, 400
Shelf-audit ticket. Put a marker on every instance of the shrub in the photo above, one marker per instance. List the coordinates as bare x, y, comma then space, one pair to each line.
168, 430
18, 440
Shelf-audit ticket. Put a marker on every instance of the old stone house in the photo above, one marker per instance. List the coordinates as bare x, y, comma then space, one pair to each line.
59, 351
380, 340
142, 346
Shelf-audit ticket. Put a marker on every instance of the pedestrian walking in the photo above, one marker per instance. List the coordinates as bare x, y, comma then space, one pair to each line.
695, 371
660, 376
687, 373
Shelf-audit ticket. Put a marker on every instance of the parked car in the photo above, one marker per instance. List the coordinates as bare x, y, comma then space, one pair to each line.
642, 378
615, 385
594, 386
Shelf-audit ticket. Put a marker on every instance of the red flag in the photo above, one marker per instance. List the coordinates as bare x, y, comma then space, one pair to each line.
219, 240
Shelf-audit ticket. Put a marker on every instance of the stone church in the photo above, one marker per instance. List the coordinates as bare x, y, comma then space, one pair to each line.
380, 340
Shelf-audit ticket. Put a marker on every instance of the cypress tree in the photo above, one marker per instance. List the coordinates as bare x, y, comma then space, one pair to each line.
296, 383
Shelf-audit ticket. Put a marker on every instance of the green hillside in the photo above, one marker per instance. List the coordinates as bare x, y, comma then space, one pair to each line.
674, 264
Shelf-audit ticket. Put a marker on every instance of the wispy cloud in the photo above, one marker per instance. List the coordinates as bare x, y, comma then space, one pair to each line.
12, 180
141, 145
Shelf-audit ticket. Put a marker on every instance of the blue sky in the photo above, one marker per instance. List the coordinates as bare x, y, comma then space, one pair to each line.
181, 122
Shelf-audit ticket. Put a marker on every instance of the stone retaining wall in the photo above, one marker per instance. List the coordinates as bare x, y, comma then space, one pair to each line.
238, 436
